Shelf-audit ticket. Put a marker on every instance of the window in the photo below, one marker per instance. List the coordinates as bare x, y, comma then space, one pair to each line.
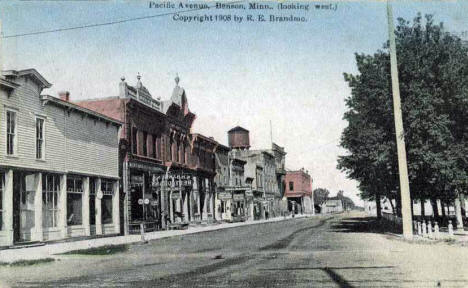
183, 153
92, 201
2, 188
154, 146
74, 200
107, 188
40, 138
170, 150
291, 185
177, 151
134, 141
11, 132
145, 143
158, 147
50, 188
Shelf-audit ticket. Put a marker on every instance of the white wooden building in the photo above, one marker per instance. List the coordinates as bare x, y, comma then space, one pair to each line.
59, 173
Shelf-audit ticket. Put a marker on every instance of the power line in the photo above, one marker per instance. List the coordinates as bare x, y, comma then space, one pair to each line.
112, 22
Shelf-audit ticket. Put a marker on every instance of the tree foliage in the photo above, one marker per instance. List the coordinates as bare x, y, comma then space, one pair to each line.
320, 196
433, 75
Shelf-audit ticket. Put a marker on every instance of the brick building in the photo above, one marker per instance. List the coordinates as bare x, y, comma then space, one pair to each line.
167, 171
299, 192
58, 164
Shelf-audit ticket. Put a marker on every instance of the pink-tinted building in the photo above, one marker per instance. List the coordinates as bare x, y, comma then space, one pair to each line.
299, 192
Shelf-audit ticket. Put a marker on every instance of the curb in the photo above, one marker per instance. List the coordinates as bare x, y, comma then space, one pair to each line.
51, 250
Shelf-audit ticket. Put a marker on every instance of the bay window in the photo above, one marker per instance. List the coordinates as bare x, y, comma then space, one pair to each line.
74, 200
50, 190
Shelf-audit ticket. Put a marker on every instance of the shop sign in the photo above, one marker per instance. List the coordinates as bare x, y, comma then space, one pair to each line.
224, 195
136, 179
238, 197
154, 203
143, 166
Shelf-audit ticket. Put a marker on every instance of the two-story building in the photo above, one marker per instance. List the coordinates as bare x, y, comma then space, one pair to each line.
58, 164
233, 196
262, 169
299, 192
167, 171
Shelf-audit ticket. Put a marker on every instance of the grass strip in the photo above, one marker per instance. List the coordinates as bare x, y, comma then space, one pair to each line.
104, 250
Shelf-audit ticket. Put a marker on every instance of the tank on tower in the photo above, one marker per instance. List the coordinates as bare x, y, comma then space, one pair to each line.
238, 138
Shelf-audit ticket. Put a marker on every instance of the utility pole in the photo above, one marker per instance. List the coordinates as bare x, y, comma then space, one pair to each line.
400, 140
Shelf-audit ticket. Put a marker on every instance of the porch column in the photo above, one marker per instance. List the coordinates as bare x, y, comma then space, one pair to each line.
8, 206
458, 213
115, 207
37, 234
171, 209
62, 222
185, 207
210, 199
98, 206
217, 205
191, 199
251, 210
126, 192
85, 206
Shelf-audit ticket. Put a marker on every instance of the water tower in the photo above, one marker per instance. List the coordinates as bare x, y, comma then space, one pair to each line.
238, 138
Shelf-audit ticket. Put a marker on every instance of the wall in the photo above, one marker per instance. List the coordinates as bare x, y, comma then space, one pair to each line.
73, 141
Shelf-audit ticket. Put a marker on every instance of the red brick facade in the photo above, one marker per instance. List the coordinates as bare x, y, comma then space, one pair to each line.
298, 184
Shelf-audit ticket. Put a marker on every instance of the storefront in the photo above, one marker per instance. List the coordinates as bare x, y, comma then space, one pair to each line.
51, 206
144, 197
224, 208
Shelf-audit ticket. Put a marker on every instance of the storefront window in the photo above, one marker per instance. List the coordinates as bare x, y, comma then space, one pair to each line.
92, 201
74, 200
50, 188
106, 202
2, 188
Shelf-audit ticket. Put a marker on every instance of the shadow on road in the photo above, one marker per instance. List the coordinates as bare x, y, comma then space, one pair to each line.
330, 271
365, 225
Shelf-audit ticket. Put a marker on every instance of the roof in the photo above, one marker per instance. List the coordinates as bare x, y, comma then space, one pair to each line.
70, 105
238, 128
29, 72
9, 85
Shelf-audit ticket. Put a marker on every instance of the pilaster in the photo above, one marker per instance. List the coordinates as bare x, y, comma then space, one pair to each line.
37, 234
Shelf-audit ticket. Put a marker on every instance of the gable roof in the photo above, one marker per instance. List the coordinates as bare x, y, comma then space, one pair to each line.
31, 73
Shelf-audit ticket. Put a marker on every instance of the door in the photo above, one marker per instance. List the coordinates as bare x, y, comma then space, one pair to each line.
23, 206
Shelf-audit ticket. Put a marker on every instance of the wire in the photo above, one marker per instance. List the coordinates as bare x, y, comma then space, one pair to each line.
111, 23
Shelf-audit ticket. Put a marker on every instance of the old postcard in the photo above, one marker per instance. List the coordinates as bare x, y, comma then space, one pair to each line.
233, 143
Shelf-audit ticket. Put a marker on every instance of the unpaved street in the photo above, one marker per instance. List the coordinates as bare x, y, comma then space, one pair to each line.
336, 251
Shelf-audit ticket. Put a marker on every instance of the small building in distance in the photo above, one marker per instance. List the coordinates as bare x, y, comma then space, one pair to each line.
299, 192
332, 205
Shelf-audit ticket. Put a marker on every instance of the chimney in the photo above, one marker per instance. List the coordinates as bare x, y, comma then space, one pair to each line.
64, 95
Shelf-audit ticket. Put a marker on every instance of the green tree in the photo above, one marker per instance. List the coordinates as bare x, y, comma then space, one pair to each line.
320, 195
433, 70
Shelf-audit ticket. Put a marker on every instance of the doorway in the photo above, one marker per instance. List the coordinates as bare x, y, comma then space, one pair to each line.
23, 206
